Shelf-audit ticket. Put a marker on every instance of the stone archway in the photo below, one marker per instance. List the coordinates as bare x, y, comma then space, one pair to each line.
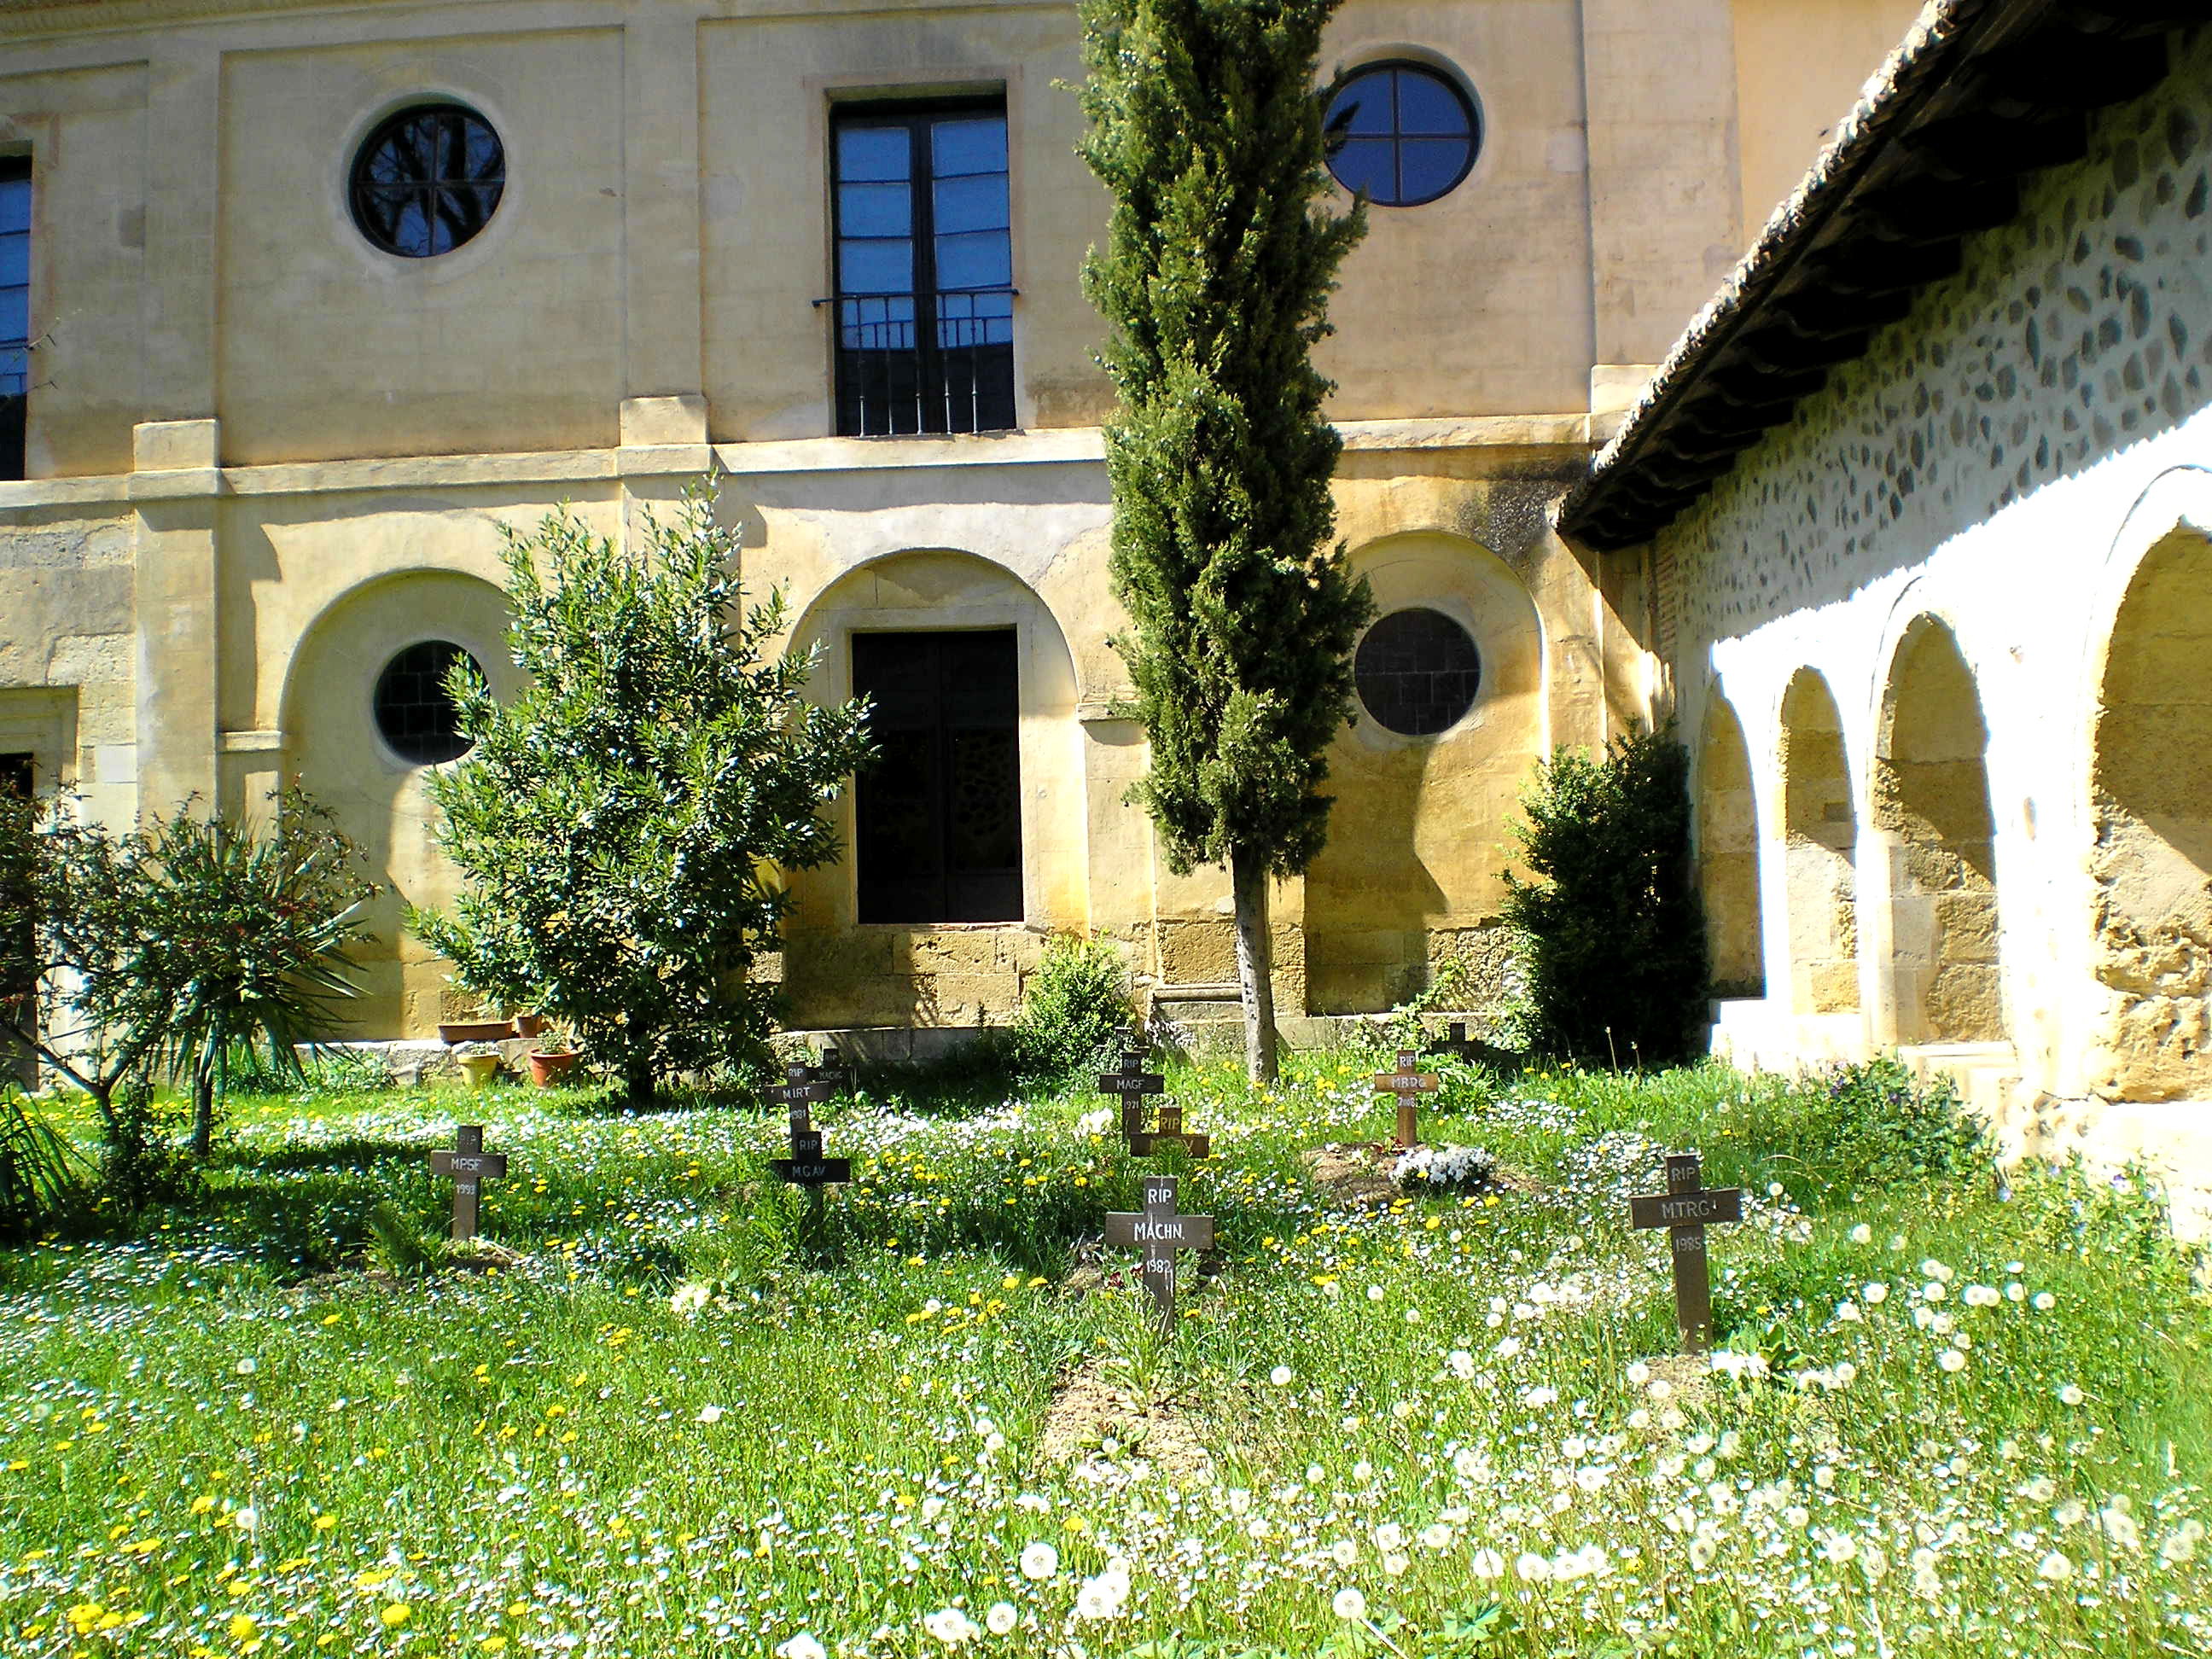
1931, 797
1820, 851
333, 745
840, 966
2151, 805
1728, 855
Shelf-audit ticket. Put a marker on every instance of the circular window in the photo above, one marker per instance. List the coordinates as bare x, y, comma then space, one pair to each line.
1403, 133
1417, 671
413, 711
427, 179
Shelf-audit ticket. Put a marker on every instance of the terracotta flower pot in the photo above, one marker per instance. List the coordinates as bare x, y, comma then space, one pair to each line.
480, 1069
478, 1030
546, 1070
530, 1025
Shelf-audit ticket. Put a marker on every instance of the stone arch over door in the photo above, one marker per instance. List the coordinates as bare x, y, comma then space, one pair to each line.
333, 746
1820, 851
1728, 855
2151, 808
1931, 797
840, 971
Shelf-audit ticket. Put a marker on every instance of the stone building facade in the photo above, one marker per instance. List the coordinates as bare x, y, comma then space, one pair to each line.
1938, 614
287, 365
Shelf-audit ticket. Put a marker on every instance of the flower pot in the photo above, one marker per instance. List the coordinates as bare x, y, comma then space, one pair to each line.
546, 1070
480, 1030
530, 1025
480, 1069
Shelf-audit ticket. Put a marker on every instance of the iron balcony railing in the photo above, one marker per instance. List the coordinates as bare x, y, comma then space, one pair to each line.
924, 363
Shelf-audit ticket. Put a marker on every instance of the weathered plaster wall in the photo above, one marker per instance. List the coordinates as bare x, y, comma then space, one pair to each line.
329, 348
1799, 65
2001, 462
87, 128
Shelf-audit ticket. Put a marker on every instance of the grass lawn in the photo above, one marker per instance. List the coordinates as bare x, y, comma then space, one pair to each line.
1954, 1417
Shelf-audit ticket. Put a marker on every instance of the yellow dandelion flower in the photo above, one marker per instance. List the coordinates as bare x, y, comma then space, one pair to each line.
396, 1615
325, 1523
241, 1628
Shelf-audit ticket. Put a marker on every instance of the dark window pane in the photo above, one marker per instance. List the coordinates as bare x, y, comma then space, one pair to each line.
875, 267
1426, 104
1362, 108
1417, 673
875, 209
970, 144
937, 813
413, 711
428, 179
1427, 168
871, 153
1365, 164
972, 204
982, 258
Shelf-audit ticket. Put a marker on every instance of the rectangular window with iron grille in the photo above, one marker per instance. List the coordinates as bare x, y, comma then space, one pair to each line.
14, 309
924, 307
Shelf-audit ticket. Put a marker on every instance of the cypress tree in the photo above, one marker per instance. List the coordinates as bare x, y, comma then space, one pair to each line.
1206, 128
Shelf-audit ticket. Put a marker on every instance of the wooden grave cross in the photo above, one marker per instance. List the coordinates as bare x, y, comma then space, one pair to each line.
833, 1070
1686, 1209
1406, 1082
1171, 1134
1159, 1232
469, 1165
1132, 1084
806, 1167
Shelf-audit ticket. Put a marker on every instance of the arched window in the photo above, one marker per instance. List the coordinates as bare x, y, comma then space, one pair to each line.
427, 179
1403, 133
414, 712
1417, 673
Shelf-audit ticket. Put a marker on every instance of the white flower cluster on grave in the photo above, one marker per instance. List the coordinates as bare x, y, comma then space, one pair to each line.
1443, 1169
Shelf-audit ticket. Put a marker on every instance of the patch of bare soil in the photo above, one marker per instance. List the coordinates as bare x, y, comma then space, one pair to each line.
1104, 1433
1352, 1176
1358, 1176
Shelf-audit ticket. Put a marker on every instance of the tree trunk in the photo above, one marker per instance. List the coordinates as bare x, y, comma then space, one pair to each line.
638, 1084
1255, 963
202, 1112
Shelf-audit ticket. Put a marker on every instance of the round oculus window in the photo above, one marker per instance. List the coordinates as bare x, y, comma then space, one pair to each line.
427, 179
1417, 673
415, 713
1402, 134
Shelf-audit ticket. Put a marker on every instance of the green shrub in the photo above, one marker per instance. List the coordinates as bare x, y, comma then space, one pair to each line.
1873, 1124
1612, 933
1075, 1004
144, 1161
620, 822
398, 1244
44, 1181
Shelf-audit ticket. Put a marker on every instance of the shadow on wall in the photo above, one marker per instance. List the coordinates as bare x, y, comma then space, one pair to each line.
1931, 796
2151, 806
1417, 837
1728, 855
1820, 851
